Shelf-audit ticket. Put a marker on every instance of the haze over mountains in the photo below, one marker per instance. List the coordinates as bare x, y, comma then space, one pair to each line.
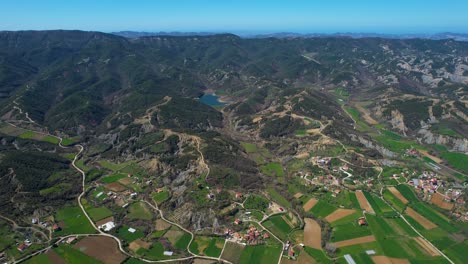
434, 36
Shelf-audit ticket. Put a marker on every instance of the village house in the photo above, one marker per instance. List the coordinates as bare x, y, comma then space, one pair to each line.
22, 247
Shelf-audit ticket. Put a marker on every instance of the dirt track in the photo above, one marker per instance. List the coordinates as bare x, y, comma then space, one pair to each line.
420, 219
338, 214
312, 234
431, 251
102, 248
395, 192
310, 204
355, 241
363, 202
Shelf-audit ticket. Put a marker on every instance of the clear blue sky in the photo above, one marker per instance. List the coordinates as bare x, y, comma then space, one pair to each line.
261, 16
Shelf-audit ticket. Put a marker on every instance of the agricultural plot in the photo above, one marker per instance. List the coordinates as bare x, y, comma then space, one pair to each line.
387, 260
160, 197
355, 241
155, 252
310, 204
278, 226
263, 254
128, 236
438, 200
73, 221
249, 147
273, 169
398, 195
74, 256
233, 251
349, 230
360, 248
104, 249
139, 210
99, 213
339, 214
396, 202
114, 177
318, 255
114, 166
322, 209
406, 191
208, 246
312, 234
277, 197
363, 203
435, 217
378, 205
256, 202
348, 219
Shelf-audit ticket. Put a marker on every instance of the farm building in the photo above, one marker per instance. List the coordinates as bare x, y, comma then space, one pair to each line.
362, 221
107, 226
349, 259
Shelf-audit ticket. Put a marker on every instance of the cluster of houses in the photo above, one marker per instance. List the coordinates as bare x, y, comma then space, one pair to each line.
252, 235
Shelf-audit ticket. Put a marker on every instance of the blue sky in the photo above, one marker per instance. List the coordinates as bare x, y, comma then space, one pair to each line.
324, 16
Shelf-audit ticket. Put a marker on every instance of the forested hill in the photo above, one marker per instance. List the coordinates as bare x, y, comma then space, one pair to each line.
68, 79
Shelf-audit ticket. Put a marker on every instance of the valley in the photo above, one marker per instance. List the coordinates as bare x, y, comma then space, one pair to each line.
307, 158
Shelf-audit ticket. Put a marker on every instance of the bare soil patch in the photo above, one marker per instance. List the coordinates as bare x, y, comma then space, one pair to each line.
302, 155
310, 204
257, 119
232, 252
142, 244
431, 251
387, 260
395, 192
126, 180
420, 219
365, 114
312, 234
161, 225
134, 246
298, 195
438, 199
363, 202
434, 158
204, 261
102, 248
355, 241
115, 187
55, 258
105, 220
338, 214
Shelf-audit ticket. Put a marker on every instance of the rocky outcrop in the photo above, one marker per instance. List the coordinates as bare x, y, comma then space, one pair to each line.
397, 122
369, 144
455, 144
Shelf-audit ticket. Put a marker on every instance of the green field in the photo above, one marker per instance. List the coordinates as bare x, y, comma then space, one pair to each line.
98, 213
256, 202
73, 256
348, 231
458, 161
435, 217
322, 209
277, 197
354, 200
158, 198
139, 210
70, 141
263, 254
348, 219
183, 241
407, 192
75, 222
278, 226
114, 166
39, 259
155, 252
249, 147
392, 199
394, 144
380, 228
211, 246
360, 124
273, 169
113, 177
379, 206
318, 255
123, 233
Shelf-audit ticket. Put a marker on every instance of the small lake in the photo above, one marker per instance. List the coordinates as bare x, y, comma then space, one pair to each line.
211, 100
